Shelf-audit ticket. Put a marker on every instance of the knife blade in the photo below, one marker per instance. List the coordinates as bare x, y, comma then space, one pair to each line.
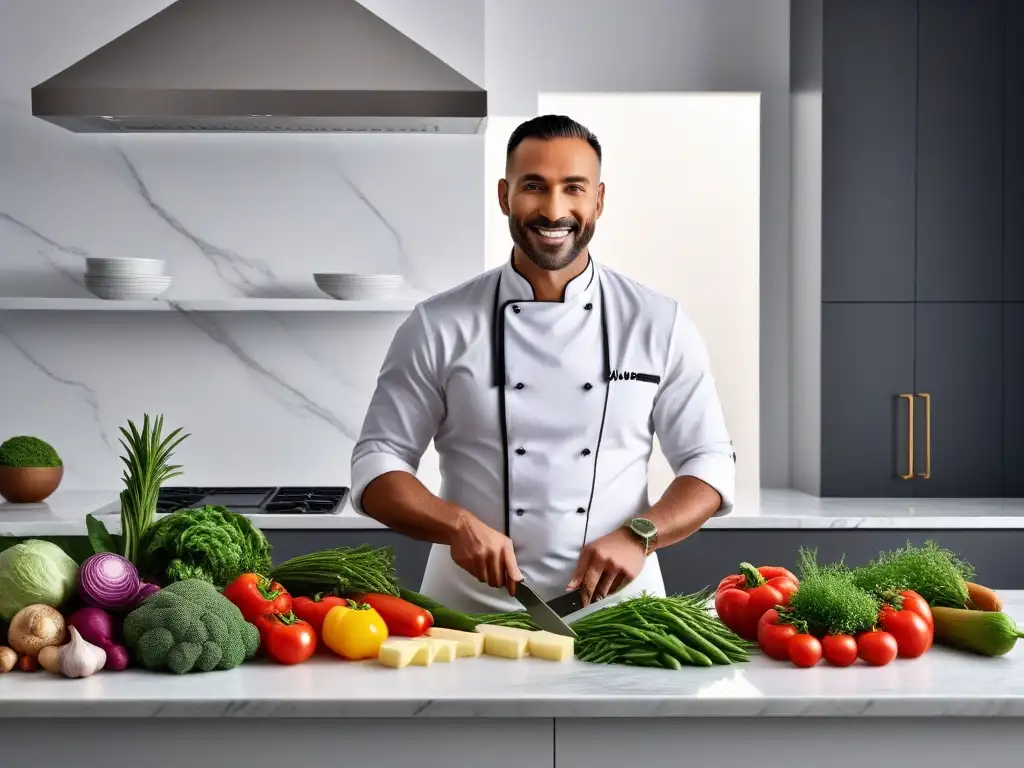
566, 604
541, 613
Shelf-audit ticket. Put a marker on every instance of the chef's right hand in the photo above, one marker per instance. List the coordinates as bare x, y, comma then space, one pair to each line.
485, 553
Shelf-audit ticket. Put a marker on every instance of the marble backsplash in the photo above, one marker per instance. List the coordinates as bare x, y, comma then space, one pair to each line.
269, 398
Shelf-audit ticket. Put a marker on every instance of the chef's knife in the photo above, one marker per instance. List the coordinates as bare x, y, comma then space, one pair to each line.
541, 613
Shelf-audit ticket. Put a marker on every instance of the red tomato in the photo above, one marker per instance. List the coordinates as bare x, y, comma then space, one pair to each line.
877, 648
804, 650
839, 650
286, 639
772, 637
914, 602
912, 633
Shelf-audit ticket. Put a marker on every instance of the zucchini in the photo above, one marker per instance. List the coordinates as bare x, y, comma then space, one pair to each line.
989, 633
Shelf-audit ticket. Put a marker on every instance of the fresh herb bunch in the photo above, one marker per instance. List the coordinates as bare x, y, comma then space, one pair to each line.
828, 601
212, 544
25, 451
937, 574
343, 570
147, 467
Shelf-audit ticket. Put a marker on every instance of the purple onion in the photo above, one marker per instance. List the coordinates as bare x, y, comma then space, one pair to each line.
108, 581
145, 590
98, 627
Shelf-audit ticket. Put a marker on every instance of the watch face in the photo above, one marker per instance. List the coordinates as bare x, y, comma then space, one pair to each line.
642, 527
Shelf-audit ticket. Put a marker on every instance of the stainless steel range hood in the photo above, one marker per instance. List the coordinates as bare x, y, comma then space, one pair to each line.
307, 66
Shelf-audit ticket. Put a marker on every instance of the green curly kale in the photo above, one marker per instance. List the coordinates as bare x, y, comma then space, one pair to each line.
209, 543
189, 626
25, 451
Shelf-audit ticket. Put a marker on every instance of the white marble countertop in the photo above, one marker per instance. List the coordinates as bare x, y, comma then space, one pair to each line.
941, 683
63, 514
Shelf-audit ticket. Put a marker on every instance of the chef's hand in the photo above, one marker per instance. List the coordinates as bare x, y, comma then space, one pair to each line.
485, 553
607, 565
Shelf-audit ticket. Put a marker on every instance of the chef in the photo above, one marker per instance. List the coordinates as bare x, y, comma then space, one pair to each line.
542, 384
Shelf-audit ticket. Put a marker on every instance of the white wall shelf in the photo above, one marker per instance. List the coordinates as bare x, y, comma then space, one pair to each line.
28, 303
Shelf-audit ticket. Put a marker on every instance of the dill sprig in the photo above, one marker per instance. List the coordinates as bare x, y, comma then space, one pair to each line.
828, 602
937, 574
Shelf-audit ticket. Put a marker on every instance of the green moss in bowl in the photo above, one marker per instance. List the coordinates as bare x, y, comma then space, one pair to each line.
25, 451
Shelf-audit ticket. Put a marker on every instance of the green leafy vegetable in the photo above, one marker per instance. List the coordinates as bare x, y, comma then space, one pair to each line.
937, 574
212, 544
828, 601
147, 468
25, 451
189, 627
35, 572
99, 536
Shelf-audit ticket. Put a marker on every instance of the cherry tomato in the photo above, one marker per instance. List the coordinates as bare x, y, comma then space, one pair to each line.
877, 648
804, 650
839, 650
772, 637
912, 633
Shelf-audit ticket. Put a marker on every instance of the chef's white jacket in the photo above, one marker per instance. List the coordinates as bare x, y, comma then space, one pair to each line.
543, 416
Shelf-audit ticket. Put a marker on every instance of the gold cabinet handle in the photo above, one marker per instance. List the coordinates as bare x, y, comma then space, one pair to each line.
927, 474
909, 474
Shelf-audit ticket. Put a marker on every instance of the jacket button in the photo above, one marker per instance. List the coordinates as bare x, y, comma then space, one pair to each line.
520, 512
588, 306
581, 511
520, 451
515, 308
585, 451
520, 385
588, 386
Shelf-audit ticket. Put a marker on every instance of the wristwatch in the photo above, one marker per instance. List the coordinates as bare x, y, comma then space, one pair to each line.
645, 530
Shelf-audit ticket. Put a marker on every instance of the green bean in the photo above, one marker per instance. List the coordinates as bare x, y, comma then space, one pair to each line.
697, 641
669, 662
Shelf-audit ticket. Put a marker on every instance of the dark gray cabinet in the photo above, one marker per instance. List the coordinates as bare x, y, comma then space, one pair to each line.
958, 374
960, 118
1013, 399
1013, 208
920, 141
867, 362
869, 121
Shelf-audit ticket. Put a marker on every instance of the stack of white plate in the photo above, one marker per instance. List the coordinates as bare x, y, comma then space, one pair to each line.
352, 287
126, 279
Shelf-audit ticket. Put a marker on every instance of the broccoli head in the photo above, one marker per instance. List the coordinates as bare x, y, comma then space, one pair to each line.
188, 626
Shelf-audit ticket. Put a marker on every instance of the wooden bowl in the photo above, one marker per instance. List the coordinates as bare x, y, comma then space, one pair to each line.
29, 485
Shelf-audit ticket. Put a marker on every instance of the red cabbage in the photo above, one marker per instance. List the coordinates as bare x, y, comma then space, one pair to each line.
108, 581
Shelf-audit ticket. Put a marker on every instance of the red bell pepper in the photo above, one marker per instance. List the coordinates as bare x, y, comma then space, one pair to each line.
743, 598
255, 595
401, 617
314, 609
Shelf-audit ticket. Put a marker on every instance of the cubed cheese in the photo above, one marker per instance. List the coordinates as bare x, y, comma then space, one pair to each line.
444, 650
402, 653
504, 642
548, 645
469, 643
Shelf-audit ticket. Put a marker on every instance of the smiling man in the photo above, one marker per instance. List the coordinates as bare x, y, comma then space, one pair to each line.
543, 384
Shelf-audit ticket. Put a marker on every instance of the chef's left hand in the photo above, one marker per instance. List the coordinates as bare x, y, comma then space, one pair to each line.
607, 565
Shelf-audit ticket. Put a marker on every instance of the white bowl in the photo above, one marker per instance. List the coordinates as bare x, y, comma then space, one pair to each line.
152, 267
352, 287
128, 289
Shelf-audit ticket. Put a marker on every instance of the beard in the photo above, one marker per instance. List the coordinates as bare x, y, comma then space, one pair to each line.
547, 255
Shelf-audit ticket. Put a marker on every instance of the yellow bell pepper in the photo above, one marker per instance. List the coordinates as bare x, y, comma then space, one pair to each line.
354, 633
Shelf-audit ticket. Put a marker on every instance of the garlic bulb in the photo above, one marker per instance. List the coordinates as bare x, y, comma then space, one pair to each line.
79, 658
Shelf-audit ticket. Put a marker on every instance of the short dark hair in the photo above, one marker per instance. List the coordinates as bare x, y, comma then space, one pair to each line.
548, 127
